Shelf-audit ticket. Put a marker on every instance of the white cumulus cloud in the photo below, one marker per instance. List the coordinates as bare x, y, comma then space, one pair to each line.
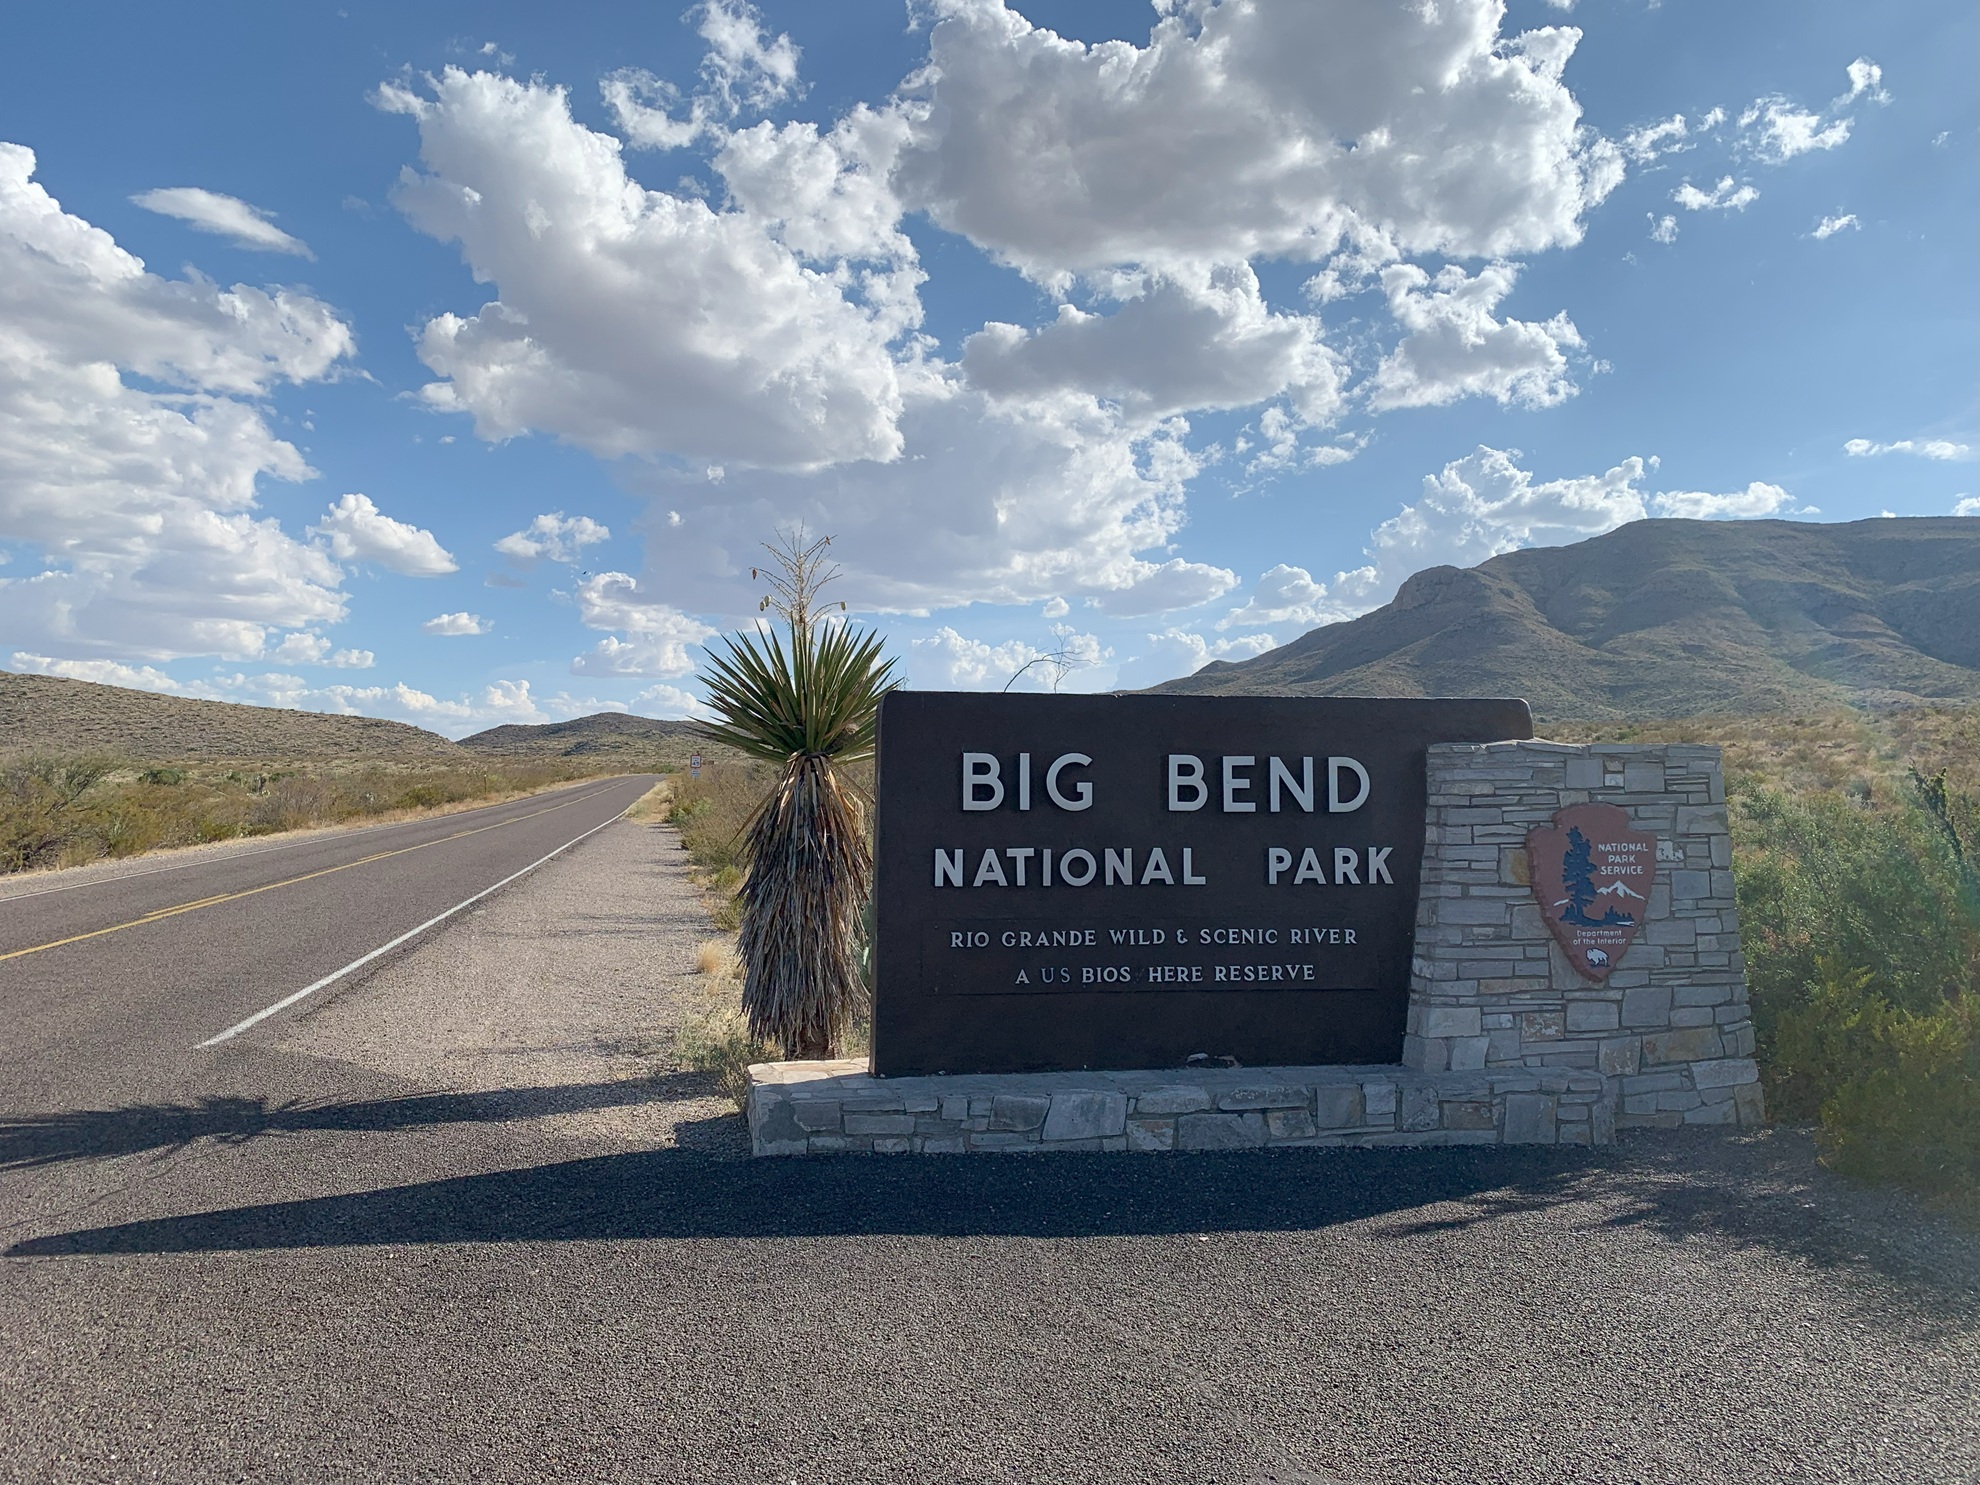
224, 216
1455, 348
744, 67
1756, 500
307, 647
669, 702
1923, 448
1776, 131
1014, 501
1830, 226
1665, 137
462, 623
652, 639
632, 321
1866, 80
554, 537
1243, 129
759, 352
355, 530
949, 661
1725, 196
1206, 340
1285, 595
138, 496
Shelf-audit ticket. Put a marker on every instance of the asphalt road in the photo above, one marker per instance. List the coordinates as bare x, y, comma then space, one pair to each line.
269, 1260
109, 984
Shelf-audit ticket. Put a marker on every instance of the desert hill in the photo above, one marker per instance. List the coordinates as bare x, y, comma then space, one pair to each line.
47, 714
601, 734
1663, 618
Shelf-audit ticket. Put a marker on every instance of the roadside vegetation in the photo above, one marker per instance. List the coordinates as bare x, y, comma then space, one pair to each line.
68, 811
1856, 849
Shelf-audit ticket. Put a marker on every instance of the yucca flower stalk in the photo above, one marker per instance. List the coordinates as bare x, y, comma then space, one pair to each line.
809, 703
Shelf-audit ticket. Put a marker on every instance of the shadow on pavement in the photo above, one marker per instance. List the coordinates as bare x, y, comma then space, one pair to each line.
1737, 1194
680, 1194
100, 1134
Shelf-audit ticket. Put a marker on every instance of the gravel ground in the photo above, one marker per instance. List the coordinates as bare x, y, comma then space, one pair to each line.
507, 1255
558, 1003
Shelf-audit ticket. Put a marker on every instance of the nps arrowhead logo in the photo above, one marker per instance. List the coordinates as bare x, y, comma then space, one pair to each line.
1592, 876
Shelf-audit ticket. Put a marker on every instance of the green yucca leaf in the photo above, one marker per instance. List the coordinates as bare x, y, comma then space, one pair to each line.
819, 696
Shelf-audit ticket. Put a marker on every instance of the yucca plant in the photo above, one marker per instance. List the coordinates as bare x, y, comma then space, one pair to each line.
808, 702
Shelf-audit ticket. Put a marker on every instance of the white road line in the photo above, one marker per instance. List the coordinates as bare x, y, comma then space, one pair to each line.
314, 838
330, 979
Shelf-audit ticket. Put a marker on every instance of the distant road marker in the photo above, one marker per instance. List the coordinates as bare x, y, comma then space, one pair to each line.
359, 963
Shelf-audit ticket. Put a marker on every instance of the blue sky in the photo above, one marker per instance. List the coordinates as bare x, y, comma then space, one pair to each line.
448, 362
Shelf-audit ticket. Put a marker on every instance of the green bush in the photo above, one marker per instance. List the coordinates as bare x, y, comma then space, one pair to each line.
1862, 933
1897, 1092
1823, 878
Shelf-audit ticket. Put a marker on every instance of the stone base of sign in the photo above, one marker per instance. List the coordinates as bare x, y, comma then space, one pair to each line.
1490, 990
1505, 1042
814, 1108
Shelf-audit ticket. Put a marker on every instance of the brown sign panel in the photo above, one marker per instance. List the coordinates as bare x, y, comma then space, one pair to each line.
1592, 873
1074, 882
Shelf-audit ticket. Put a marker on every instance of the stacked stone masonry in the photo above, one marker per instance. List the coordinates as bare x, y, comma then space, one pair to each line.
1505, 1042
812, 1108
1490, 989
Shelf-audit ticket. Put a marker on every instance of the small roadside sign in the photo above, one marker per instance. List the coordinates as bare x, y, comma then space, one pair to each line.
694, 765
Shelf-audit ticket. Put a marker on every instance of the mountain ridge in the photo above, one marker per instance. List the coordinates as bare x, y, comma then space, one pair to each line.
1663, 618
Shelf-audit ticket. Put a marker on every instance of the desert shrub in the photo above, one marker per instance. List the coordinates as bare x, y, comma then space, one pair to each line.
43, 809
710, 812
716, 1040
67, 811
1896, 1092
714, 1036
1861, 920
1823, 878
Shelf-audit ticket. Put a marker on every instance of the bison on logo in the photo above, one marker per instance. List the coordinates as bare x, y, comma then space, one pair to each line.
1592, 876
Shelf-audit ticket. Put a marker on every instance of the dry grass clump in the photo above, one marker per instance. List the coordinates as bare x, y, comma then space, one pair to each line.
66, 811
717, 957
710, 813
714, 1033
653, 807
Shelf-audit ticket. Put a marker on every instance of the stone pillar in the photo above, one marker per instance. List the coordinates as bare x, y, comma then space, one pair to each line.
1490, 989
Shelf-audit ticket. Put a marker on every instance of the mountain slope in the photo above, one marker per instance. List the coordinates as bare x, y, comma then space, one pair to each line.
47, 714
1663, 618
606, 733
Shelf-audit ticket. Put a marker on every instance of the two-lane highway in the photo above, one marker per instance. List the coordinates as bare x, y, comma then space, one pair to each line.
107, 981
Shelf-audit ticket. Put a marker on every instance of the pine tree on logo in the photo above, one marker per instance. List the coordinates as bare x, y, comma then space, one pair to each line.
1578, 877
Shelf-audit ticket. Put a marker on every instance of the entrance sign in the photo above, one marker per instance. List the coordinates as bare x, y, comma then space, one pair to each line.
1592, 874
1067, 882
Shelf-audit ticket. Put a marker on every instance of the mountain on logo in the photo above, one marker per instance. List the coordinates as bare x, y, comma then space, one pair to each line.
1578, 877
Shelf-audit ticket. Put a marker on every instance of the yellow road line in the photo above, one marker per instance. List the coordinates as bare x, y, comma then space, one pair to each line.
160, 914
